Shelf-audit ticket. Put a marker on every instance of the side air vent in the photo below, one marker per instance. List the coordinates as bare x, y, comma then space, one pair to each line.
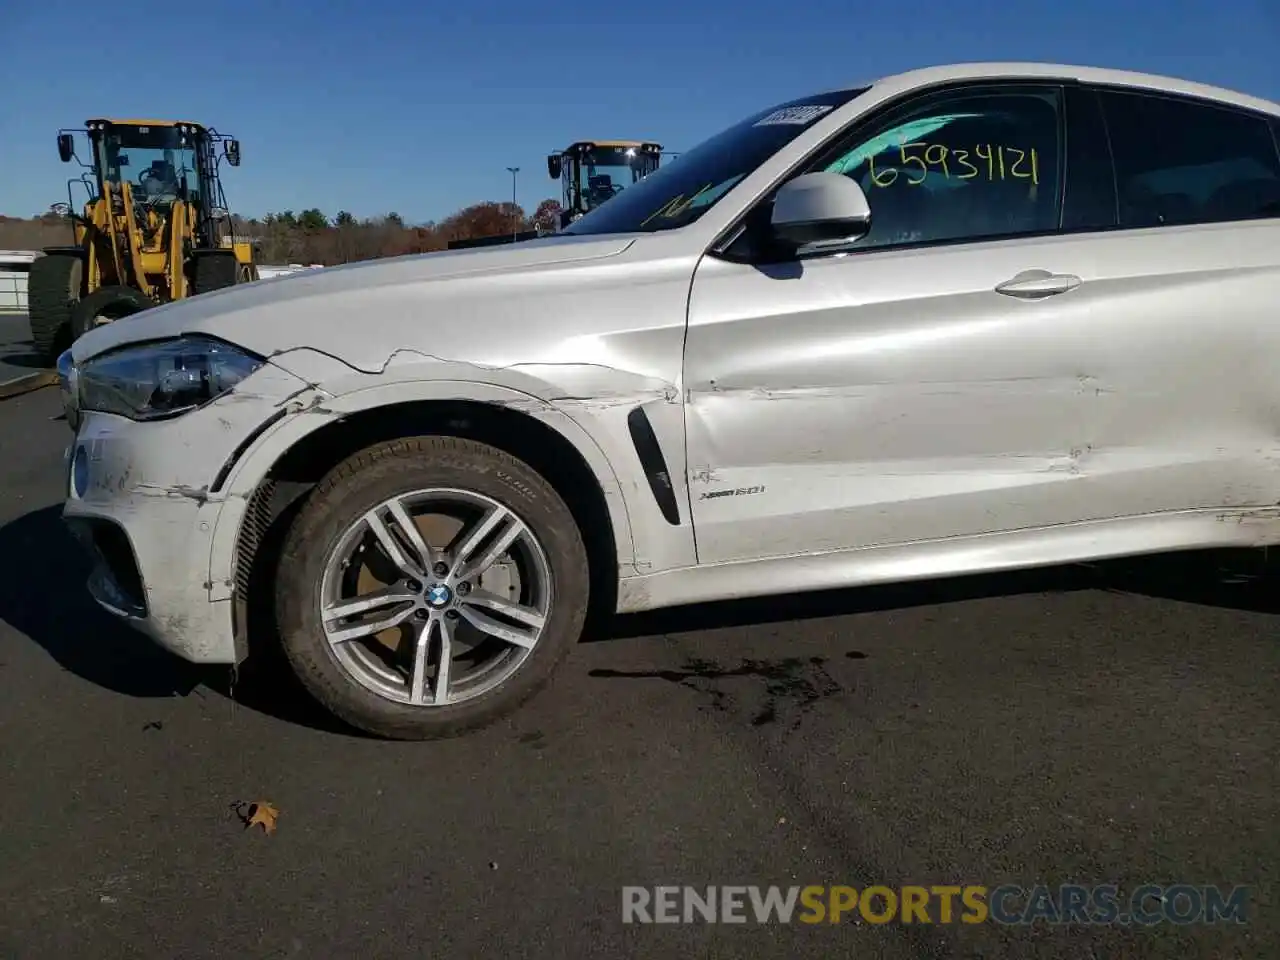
654, 464
257, 519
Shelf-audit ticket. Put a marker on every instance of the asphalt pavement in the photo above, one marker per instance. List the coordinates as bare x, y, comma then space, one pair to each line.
20, 368
1089, 726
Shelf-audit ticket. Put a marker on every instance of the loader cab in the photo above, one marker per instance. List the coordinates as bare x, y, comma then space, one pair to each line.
592, 172
162, 162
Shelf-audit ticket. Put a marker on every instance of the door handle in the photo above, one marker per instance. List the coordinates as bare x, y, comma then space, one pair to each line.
1037, 284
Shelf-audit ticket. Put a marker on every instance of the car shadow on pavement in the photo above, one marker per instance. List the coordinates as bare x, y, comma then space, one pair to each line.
22, 354
43, 596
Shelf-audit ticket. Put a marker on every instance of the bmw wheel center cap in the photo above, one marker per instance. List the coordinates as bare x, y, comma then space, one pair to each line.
439, 596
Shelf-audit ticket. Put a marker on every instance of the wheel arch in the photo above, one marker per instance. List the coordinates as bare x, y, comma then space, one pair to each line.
272, 475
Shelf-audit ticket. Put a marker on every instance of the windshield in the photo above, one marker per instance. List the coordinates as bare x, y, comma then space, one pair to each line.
154, 160
604, 172
681, 192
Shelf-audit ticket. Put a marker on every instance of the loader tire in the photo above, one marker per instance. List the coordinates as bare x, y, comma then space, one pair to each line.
215, 272
106, 305
53, 288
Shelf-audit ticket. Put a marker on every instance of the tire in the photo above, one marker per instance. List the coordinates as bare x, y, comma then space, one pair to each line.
357, 486
214, 271
53, 287
112, 303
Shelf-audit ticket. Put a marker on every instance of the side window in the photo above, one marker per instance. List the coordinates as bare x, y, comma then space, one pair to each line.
963, 165
1179, 162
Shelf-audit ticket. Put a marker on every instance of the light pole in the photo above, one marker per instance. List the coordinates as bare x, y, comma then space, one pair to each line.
514, 221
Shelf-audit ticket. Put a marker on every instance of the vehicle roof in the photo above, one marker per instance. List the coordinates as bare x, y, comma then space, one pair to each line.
1060, 71
615, 143
144, 123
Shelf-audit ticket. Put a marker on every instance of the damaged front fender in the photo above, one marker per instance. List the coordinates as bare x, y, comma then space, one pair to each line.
581, 419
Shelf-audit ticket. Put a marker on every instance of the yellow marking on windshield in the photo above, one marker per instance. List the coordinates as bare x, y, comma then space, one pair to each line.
676, 206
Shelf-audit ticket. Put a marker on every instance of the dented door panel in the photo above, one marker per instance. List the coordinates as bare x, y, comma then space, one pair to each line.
885, 397
1188, 398
878, 399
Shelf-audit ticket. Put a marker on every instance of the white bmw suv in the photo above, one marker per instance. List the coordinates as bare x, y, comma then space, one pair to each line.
963, 319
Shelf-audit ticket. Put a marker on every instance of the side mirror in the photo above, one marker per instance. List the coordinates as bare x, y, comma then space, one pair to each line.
553, 166
66, 147
820, 208
232, 151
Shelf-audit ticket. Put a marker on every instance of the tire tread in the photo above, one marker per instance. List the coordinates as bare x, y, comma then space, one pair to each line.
49, 301
364, 710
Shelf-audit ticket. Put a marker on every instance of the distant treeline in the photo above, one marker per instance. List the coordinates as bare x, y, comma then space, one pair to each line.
312, 237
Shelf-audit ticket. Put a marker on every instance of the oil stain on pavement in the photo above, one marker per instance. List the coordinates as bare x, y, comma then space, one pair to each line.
780, 691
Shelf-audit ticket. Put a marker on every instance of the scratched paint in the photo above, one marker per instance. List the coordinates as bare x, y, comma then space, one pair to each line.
874, 418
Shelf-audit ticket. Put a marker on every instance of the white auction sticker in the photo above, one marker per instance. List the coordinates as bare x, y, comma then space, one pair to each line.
795, 116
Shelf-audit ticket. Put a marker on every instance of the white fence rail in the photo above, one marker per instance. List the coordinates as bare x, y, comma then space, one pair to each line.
14, 265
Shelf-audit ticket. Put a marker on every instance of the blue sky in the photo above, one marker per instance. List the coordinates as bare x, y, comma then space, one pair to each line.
388, 105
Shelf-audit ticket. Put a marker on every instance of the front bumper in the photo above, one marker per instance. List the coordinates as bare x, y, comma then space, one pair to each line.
148, 571
138, 498
149, 543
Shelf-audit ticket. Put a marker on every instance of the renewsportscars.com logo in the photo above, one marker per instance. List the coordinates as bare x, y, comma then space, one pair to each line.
1146, 905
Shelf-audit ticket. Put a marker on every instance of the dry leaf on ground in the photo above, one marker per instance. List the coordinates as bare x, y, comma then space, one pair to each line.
260, 814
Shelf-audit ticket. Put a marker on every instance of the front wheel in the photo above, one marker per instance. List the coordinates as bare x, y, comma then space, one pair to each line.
429, 586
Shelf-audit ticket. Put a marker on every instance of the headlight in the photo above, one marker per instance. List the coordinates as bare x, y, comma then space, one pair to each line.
156, 380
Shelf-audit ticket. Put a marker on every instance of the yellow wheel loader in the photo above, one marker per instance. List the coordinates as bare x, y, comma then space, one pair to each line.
593, 171
155, 228
590, 172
